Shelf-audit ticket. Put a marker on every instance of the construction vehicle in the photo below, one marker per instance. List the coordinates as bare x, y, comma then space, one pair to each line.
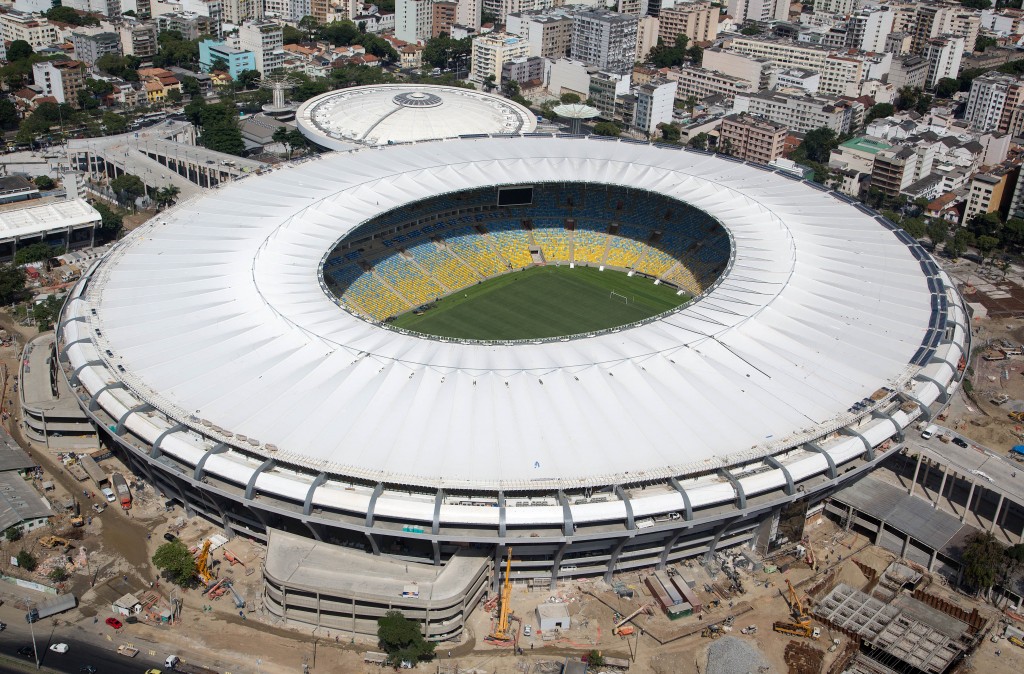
801, 625
711, 632
53, 542
203, 563
232, 559
617, 630
749, 629
121, 487
77, 521
1017, 416
501, 634
1016, 641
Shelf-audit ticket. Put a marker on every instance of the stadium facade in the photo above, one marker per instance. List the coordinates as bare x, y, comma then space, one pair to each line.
212, 347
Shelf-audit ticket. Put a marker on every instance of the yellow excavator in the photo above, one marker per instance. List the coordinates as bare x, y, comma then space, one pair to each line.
801, 625
203, 563
501, 633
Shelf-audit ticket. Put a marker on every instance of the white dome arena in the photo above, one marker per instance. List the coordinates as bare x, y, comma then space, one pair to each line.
209, 344
405, 113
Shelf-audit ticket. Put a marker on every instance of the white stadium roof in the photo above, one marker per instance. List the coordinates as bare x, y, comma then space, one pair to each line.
403, 113
213, 313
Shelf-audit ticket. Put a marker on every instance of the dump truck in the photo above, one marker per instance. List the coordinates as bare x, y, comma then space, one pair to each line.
121, 489
176, 664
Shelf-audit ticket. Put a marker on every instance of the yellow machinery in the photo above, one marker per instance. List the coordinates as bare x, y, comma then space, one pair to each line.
53, 542
203, 563
501, 632
1017, 641
619, 629
801, 625
1017, 416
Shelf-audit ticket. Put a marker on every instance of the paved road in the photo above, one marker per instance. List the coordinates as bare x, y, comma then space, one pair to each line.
79, 653
1004, 475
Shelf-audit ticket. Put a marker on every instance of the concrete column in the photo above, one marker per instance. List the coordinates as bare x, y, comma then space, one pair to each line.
913, 480
942, 486
906, 545
995, 516
878, 534
932, 560
924, 480
970, 497
1021, 535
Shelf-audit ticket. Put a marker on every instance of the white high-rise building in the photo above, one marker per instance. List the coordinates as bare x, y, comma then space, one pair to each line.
758, 10
490, 52
413, 20
469, 13
868, 29
943, 54
987, 100
605, 39
655, 102
265, 39
843, 7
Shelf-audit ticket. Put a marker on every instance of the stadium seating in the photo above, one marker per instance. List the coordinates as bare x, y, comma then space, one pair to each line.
434, 247
511, 241
441, 265
553, 241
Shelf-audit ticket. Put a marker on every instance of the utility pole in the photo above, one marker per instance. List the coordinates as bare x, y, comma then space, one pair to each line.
32, 630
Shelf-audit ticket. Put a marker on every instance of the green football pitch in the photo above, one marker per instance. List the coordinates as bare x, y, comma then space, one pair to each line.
551, 301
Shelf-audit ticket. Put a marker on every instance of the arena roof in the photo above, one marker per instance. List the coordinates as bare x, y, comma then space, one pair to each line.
401, 113
213, 313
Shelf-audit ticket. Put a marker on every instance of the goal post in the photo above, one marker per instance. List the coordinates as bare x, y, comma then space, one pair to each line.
618, 297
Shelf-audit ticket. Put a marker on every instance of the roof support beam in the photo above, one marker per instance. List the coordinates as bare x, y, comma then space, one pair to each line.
250, 486
502, 527
438, 500
74, 379
741, 497
614, 559
943, 395
775, 463
219, 448
144, 407
899, 435
567, 525
93, 404
868, 449
307, 505
621, 493
154, 452
688, 515
833, 473
377, 491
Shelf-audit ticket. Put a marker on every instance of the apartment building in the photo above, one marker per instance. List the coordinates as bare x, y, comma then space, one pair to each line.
606, 39
699, 83
604, 89
796, 78
909, 71
943, 54
60, 79
265, 40
524, 69
868, 29
91, 46
491, 51
897, 168
992, 100
237, 12
782, 52
238, 60
842, 7
190, 24
754, 69
655, 102
548, 34
697, 20
413, 20
637, 7
35, 30
752, 138
931, 20
138, 39
443, 15
757, 10
801, 112
502, 8
990, 193
469, 13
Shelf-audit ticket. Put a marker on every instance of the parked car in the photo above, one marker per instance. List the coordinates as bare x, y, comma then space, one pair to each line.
115, 623
59, 648
527, 630
109, 495
27, 652
959, 442
87, 669
169, 537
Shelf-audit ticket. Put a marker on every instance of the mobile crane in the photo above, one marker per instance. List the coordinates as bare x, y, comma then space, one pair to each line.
801, 625
203, 563
501, 633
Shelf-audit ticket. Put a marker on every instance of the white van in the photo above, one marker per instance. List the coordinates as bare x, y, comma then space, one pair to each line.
929, 431
109, 494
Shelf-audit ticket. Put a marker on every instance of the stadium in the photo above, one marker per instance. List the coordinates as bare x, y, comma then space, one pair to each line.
331, 358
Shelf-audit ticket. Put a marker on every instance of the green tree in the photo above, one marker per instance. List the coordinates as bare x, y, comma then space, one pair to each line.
128, 188
177, 563
280, 135
111, 224
292, 35
488, 83
46, 313
938, 230
982, 558
190, 86
670, 132
310, 25
12, 283
400, 638
699, 142
946, 87
915, 227
9, 118
166, 196
36, 252
984, 42
879, 111
247, 78
114, 123
225, 138
958, 244
607, 129
595, 659
124, 67
19, 49
569, 99
219, 64
976, 4
174, 96
58, 574
751, 30
817, 146
70, 16
987, 244
442, 51
296, 140
44, 182
27, 560
13, 533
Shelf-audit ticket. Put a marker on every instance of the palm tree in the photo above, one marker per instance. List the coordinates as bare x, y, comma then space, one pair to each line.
166, 196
